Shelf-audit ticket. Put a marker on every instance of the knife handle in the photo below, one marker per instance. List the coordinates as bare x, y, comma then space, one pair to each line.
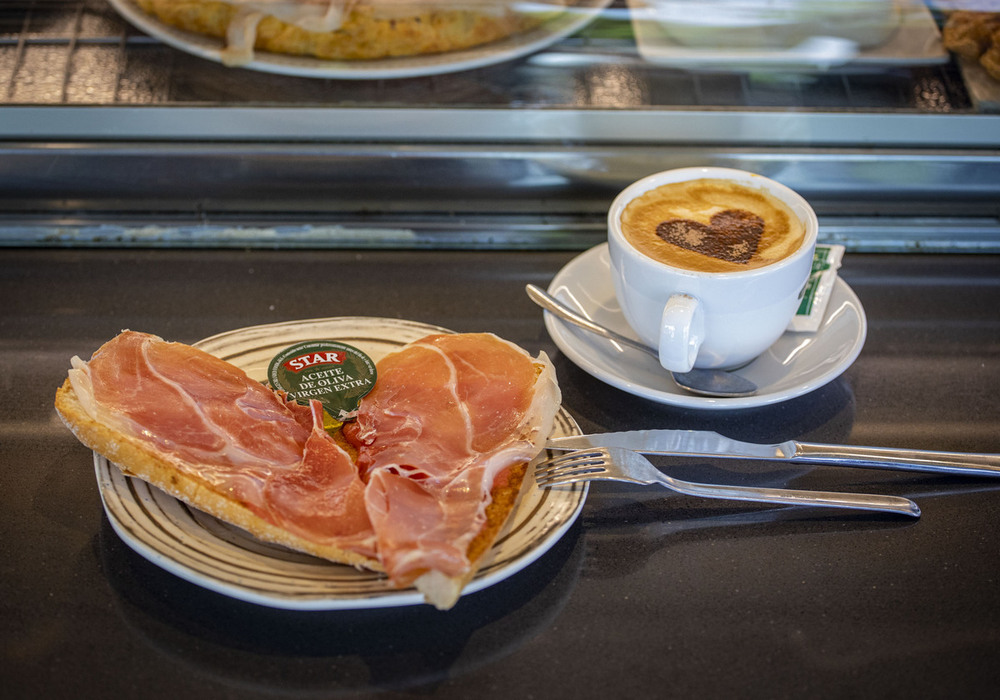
894, 458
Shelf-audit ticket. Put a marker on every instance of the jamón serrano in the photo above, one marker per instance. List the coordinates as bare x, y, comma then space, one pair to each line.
449, 417
430, 472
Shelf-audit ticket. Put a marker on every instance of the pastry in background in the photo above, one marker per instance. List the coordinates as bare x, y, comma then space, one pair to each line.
975, 36
349, 29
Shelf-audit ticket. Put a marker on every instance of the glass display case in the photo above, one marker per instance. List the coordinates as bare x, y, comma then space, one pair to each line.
116, 127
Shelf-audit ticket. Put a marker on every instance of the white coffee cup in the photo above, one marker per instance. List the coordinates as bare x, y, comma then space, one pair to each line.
709, 319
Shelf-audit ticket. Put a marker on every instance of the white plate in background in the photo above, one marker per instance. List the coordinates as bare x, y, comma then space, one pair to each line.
917, 41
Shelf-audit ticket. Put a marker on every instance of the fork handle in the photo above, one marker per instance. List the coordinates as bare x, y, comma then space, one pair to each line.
830, 499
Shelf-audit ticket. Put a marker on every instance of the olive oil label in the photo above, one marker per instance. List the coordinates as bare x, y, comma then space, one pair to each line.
335, 374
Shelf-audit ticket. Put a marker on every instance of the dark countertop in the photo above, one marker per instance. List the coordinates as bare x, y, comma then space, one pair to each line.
648, 595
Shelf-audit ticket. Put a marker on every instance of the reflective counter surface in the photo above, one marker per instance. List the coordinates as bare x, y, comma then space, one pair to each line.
648, 595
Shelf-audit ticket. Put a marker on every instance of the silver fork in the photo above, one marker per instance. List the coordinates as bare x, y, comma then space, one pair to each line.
619, 464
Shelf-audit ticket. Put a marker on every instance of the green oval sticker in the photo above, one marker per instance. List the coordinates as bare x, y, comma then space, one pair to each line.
335, 374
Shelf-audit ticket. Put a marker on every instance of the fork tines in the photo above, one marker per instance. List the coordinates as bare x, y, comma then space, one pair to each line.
582, 465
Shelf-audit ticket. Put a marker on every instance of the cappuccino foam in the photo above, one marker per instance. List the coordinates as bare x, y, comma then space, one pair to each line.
711, 225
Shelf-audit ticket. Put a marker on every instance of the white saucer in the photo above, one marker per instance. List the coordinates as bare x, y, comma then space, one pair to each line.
796, 364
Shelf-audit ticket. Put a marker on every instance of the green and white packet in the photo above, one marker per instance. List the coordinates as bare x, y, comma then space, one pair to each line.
335, 374
819, 287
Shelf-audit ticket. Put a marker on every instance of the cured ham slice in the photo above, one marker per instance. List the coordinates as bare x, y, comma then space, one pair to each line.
449, 417
201, 429
419, 485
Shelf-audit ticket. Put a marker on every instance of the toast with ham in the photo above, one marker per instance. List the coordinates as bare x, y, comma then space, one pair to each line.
418, 486
449, 416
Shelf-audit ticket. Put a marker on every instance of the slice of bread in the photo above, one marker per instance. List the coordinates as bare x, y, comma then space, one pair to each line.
443, 592
135, 457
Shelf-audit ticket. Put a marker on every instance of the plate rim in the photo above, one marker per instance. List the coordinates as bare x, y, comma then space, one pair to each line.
113, 503
561, 335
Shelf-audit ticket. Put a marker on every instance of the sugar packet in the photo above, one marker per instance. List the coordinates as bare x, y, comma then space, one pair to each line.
816, 295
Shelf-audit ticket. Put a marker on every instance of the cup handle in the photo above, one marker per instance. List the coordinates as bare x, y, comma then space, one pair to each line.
682, 330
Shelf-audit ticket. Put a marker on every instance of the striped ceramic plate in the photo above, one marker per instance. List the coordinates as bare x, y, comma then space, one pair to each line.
225, 559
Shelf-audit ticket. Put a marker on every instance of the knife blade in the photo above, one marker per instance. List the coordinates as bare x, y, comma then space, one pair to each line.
705, 443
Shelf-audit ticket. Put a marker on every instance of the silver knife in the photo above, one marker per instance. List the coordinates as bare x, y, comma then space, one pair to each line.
704, 443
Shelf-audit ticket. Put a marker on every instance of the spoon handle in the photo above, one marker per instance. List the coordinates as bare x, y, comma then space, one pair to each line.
551, 304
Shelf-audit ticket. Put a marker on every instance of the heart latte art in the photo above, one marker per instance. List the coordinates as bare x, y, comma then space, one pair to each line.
731, 235
711, 225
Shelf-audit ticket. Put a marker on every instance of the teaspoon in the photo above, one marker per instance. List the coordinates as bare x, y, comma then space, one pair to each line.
706, 382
